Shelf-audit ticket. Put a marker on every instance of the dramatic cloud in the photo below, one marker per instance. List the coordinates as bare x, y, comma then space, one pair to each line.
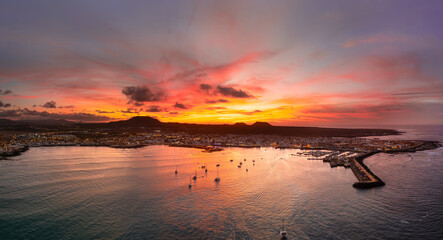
50, 104
5, 105
5, 92
180, 105
205, 87
68, 106
232, 92
100, 111
352, 55
142, 94
9, 113
216, 101
249, 113
33, 114
153, 108
131, 110
225, 91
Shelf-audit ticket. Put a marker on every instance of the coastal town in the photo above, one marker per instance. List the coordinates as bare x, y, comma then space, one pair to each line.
11, 142
347, 152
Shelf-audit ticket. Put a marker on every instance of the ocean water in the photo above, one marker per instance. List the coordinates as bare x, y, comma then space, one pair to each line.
105, 193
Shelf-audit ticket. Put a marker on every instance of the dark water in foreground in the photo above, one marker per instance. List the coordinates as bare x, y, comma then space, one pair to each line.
105, 193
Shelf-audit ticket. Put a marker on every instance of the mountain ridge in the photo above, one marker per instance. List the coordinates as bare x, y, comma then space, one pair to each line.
147, 123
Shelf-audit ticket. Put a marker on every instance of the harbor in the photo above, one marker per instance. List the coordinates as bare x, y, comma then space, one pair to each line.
138, 183
337, 151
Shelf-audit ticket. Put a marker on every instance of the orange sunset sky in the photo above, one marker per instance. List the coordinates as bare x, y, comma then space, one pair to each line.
308, 63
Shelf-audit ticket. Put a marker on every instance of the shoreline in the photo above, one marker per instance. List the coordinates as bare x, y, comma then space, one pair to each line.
14, 152
366, 178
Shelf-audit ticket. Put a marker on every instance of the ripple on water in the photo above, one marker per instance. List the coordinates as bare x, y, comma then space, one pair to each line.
104, 193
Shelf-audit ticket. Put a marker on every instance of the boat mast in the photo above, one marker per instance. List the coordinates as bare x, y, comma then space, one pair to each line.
190, 181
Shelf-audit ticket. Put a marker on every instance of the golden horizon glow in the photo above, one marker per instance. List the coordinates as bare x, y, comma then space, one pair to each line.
220, 62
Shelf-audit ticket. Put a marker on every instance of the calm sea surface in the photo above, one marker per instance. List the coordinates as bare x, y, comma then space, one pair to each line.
105, 193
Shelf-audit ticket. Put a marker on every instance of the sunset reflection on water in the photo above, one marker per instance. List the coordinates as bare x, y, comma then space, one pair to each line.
101, 192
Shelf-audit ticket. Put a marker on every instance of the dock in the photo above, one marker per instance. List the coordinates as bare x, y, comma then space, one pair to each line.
366, 179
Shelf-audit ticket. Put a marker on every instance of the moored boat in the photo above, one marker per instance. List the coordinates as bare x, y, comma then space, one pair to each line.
283, 233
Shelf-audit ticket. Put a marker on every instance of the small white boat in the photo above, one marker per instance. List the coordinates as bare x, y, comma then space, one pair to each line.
283, 233
217, 179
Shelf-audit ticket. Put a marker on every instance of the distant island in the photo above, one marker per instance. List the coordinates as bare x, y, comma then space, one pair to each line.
337, 146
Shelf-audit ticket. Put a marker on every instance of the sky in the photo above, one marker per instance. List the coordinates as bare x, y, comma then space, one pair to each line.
297, 63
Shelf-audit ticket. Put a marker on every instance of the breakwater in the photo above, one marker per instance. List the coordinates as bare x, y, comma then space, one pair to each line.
366, 179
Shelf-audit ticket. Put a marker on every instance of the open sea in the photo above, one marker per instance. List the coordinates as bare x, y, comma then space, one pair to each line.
106, 193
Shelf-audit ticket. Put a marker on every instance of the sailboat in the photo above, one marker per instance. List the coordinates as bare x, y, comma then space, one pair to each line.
190, 181
283, 234
195, 176
217, 179
175, 169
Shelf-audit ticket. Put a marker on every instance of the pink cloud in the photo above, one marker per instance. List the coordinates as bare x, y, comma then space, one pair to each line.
380, 38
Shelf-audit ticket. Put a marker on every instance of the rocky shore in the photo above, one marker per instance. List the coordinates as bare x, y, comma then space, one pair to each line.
13, 151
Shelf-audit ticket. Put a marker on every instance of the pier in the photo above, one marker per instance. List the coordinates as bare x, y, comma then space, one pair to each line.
366, 179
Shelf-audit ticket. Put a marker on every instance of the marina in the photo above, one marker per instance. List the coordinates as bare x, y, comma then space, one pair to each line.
141, 185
